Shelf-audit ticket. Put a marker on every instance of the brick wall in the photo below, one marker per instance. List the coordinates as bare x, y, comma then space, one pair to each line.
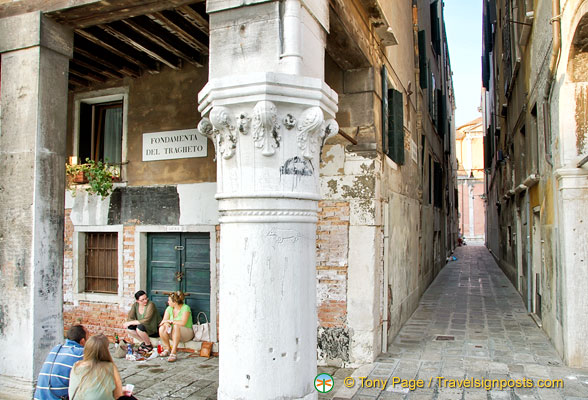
332, 248
104, 318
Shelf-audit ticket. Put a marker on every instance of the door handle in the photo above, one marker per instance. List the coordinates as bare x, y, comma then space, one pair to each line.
179, 248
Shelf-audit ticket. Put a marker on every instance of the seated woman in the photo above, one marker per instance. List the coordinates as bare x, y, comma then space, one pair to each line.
95, 377
176, 323
143, 320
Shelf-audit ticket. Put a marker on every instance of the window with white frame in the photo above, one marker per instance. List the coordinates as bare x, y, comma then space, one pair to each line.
98, 262
100, 126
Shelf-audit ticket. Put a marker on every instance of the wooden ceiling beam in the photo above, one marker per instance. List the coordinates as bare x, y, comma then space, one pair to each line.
85, 74
125, 34
195, 18
121, 49
158, 34
108, 11
184, 29
101, 56
73, 79
87, 63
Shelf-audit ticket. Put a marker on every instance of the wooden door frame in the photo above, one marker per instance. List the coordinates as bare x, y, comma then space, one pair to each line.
141, 233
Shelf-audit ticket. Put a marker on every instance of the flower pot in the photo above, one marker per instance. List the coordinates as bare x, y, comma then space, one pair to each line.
80, 177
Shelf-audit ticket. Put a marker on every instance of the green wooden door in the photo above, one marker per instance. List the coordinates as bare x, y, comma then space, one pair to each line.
179, 261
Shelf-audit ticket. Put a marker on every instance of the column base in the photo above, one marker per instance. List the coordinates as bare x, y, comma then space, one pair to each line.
222, 396
16, 388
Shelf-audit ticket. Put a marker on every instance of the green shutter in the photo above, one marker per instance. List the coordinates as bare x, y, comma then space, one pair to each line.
441, 112
423, 60
384, 110
435, 31
396, 126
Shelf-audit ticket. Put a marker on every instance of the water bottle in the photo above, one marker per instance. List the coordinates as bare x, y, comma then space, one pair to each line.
129, 349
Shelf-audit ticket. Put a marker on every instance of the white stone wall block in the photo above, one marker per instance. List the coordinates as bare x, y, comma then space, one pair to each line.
333, 160
197, 204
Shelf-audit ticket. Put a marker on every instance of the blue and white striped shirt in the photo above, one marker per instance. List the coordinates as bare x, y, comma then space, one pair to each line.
70, 353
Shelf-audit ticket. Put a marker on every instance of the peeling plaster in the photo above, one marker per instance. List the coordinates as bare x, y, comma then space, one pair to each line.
362, 187
332, 183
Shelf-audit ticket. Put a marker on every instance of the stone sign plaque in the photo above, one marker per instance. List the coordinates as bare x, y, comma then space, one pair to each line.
169, 145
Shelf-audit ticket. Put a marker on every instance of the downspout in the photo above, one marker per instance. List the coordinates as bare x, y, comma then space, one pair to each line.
291, 37
555, 50
528, 255
386, 309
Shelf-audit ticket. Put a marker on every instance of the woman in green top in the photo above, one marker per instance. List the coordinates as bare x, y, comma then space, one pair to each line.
143, 320
95, 377
177, 324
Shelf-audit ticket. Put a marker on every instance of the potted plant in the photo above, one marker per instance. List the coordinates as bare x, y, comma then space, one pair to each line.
99, 177
76, 173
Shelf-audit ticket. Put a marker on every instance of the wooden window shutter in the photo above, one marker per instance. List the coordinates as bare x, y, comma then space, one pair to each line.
385, 106
435, 31
423, 73
396, 126
440, 113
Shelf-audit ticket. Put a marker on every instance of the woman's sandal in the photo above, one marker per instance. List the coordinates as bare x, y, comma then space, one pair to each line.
164, 353
172, 358
146, 347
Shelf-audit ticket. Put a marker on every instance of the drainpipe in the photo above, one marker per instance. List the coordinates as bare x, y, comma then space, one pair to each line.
386, 268
528, 255
291, 56
555, 50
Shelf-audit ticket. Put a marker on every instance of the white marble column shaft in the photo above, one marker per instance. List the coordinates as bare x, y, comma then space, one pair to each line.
268, 123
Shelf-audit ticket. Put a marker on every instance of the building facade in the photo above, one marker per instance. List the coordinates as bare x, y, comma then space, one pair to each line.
469, 150
535, 123
215, 116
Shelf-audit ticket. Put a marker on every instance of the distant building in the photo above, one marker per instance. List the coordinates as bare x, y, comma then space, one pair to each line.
469, 150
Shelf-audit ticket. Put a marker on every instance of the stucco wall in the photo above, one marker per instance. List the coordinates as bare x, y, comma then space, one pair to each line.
159, 102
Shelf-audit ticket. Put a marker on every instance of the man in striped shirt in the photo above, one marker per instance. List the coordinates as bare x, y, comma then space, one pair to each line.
53, 379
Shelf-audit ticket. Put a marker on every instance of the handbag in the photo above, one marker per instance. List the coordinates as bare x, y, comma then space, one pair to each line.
201, 331
206, 349
121, 350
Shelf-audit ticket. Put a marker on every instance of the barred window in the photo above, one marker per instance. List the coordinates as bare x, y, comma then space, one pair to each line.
101, 262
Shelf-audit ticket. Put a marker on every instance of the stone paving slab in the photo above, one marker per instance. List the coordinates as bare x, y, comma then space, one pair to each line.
471, 301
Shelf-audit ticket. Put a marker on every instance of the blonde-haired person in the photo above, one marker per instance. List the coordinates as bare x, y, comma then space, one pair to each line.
96, 377
177, 319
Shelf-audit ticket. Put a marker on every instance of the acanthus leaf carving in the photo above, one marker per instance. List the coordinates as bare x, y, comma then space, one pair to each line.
309, 124
223, 123
206, 129
265, 127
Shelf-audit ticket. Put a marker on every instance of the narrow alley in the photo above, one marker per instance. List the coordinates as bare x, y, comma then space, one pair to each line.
471, 323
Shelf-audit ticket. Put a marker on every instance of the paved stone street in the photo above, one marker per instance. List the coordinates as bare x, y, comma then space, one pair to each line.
485, 334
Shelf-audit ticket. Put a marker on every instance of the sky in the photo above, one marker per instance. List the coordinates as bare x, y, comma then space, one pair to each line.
463, 21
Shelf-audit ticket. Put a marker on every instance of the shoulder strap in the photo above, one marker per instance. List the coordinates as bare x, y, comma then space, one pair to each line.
198, 317
53, 363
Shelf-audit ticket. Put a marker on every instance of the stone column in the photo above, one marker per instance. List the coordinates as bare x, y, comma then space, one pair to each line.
268, 112
33, 107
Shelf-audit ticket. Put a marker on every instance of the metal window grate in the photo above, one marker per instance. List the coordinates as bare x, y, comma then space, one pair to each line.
101, 262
